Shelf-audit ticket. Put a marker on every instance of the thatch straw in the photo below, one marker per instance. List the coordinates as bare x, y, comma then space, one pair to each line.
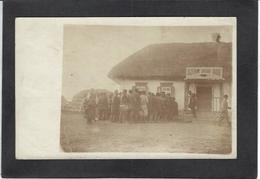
169, 61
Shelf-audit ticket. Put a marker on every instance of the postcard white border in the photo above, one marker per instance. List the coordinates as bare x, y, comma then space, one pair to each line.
38, 72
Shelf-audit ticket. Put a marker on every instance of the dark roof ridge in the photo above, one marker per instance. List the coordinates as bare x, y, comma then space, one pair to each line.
190, 43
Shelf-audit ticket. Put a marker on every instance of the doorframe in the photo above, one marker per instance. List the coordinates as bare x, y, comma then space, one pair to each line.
197, 85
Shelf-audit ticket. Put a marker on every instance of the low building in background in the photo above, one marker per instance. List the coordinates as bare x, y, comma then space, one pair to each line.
76, 104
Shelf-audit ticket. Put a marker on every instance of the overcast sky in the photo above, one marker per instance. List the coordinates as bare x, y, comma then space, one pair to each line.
91, 51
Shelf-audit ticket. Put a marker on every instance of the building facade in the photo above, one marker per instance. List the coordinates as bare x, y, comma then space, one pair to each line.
202, 68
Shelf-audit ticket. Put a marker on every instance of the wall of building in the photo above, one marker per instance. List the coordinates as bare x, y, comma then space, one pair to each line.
180, 93
153, 86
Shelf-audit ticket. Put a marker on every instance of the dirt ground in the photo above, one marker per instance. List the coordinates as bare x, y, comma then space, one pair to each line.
200, 136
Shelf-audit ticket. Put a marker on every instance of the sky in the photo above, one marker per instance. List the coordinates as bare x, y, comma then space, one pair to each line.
90, 52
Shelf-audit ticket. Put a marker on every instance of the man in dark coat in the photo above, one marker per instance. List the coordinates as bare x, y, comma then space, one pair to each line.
123, 106
151, 104
136, 105
168, 107
102, 106
90, 108
162, 107
224, 110
174, 107
115, 107
131, 103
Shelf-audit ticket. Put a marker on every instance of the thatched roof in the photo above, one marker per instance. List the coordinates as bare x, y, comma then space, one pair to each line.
169, 61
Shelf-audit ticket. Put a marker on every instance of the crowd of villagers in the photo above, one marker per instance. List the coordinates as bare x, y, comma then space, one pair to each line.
131, 106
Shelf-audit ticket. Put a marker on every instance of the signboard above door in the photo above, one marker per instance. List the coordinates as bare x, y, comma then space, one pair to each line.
208, 73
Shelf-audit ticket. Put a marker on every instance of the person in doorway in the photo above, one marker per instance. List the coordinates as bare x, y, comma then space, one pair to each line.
189, 96
224, 110
193, 105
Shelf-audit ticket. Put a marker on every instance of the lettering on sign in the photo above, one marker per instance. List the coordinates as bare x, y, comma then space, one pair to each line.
210, 73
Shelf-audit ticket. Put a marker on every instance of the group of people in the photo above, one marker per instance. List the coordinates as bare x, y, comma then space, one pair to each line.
134, 106
131, 105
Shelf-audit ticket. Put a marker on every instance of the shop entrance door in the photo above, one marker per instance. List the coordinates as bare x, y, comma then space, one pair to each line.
204, 98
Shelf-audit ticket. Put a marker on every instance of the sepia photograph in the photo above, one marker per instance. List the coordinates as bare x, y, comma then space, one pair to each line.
147, 89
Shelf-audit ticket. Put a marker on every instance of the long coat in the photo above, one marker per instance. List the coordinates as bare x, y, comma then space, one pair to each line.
115, 105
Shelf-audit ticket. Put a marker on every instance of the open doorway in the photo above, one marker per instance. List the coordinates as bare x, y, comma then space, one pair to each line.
204, 97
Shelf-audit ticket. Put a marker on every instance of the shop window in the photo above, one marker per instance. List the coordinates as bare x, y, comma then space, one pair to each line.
167, 88
141, 86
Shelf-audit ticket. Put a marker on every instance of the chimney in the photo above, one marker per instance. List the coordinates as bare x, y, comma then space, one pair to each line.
216, 37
